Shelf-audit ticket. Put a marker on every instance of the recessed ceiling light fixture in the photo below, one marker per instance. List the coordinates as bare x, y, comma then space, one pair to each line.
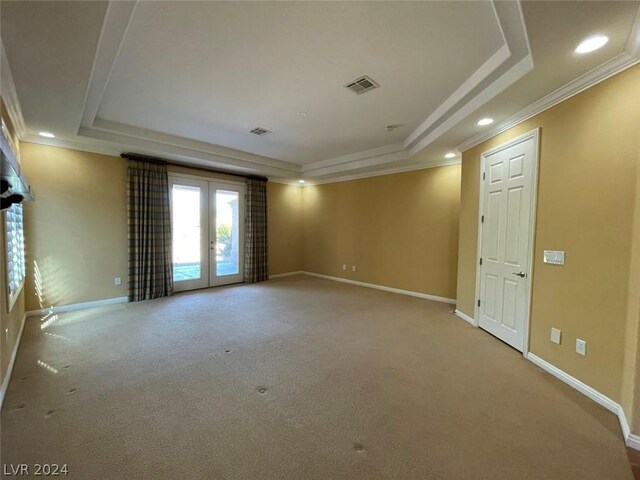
303, 114
450, 155
300, 182
47, 134
485, 121
592, 43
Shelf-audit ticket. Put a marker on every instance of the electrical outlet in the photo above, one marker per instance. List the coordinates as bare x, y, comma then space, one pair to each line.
556, 336
581, 347
118, 281
344, 266
353, 268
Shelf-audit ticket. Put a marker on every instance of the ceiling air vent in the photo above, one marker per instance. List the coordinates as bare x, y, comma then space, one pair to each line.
260, 131
362, 84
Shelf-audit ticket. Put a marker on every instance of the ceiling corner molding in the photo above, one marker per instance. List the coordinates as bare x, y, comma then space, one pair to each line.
511, 62
111, 150
385, 171
627, 59
10, 95
574, 87
193, 152
114, 30
633, 44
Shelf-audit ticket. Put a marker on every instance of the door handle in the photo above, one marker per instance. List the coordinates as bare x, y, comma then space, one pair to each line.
521, 274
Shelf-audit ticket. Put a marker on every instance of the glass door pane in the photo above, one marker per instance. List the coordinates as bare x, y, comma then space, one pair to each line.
188, 211
228, 206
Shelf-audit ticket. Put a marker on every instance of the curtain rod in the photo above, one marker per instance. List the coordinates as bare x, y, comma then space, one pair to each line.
161, 161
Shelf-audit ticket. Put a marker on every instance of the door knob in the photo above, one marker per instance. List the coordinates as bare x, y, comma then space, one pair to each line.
521, 274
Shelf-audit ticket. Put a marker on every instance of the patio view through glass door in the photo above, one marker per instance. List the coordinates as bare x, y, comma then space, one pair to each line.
207, 221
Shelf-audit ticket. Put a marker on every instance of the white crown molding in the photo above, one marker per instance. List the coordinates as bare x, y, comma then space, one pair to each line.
114, 30
103, 149
10, 95
381, 172
354, 157
574, 87
495, 75
627, 59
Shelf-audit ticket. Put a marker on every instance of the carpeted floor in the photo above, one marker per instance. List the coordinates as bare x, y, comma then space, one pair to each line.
296, 378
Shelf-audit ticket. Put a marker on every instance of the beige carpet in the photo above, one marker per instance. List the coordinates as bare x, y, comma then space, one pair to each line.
297, 378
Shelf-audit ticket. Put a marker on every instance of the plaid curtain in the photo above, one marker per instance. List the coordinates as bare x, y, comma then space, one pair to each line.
149, 231
256, 265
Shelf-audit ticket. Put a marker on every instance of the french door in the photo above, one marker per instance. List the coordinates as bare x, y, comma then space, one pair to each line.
207, 219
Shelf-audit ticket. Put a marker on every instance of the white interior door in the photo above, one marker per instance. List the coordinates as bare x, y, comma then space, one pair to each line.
226, 244
190, 233
506, 240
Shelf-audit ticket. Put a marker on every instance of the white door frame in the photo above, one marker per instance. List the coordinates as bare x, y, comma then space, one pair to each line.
203, 281
535, 134
214, 279
207, 224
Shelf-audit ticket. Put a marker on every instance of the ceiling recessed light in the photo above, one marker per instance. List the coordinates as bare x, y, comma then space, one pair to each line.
450, 155
485, 121
47, 134
303, 114
592, 44
300, 181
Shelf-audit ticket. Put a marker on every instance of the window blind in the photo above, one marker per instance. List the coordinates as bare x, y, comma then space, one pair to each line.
14, 233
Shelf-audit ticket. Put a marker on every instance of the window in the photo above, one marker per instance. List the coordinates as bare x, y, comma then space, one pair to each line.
14, 233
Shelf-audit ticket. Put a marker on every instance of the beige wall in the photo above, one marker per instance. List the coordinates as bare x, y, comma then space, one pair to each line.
284, 214
76, 230
589, 156
399, 230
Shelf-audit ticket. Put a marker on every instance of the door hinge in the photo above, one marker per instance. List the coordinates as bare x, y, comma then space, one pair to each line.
480, 260
482, 219
478, 302
483, 175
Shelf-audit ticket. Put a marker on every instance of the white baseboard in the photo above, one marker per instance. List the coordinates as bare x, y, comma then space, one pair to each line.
464, 317
288, 274
426, 296
583, 388
77, 306
631, 440
12, 361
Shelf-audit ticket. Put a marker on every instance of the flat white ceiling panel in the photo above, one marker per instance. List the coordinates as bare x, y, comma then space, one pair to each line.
211, 71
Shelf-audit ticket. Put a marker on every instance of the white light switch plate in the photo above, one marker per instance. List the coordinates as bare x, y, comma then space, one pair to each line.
554, 257
556, 336
117, 281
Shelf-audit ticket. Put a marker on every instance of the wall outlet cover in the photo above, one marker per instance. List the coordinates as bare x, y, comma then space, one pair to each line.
118, 281
344, 266
556, 336
581, 347
353, 268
